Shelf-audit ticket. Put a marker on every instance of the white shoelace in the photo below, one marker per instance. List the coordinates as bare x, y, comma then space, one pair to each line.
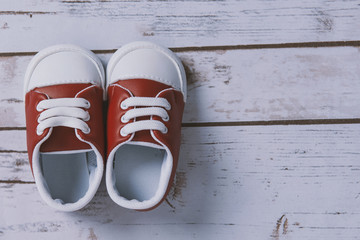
67, 112
150, 107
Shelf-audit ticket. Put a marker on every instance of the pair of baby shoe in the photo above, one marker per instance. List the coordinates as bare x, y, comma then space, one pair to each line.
65, 88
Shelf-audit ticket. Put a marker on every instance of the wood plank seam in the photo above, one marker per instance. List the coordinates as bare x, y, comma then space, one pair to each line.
29, 13
275, 122
249, 123
16, 182
225, 47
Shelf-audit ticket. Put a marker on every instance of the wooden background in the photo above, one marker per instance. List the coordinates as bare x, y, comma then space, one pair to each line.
271, 131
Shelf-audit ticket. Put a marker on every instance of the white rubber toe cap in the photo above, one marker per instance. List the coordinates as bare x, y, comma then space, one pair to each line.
149, 61
64, 64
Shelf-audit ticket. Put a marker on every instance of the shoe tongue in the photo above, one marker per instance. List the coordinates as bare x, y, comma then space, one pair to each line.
144, 138
143, 88
63, 139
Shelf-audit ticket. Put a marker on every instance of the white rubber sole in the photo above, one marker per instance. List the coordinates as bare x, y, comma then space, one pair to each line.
121, 52
61, 48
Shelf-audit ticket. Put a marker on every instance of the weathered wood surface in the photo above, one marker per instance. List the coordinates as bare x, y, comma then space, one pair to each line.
240, 85
233, 182
30, 25
247, 182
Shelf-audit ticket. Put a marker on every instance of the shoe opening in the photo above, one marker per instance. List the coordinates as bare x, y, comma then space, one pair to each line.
137, 171
68, 175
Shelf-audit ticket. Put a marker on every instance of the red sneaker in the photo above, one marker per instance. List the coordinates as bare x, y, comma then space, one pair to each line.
64, 125
146, 87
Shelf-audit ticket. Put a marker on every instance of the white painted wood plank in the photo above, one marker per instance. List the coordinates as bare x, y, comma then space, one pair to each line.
32, 25
232, 182
13, 141
15, 167
240, 85
13, 157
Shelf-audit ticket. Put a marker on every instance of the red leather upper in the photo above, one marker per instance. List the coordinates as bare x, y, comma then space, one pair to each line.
118, 92
64, 138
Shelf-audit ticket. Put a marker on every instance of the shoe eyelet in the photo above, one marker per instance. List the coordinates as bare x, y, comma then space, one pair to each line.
122, 133
88, 130
168, 107
166, 119
38, 132
38, 108
123, 106
88, 105
165, 130
123, 120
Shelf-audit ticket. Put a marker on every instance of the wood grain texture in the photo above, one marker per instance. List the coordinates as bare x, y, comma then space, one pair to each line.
110, 24
252, 182
247, 63
240, 85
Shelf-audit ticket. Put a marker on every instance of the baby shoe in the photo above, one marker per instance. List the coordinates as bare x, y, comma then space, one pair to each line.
64, 124
146, 89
